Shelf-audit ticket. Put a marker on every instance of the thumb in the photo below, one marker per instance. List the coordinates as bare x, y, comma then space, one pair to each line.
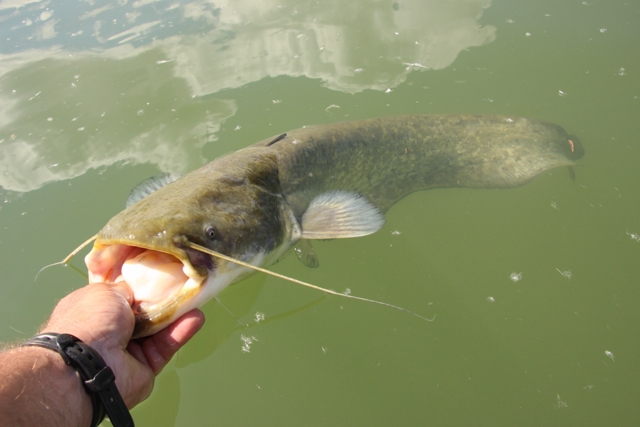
123, 289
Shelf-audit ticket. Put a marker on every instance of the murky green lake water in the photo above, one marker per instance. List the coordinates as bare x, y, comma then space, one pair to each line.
97, 96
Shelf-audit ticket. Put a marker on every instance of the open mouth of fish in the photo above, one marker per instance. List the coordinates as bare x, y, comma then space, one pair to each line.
164, 286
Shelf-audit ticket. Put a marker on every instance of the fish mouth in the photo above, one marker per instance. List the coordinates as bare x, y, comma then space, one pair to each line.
165, 284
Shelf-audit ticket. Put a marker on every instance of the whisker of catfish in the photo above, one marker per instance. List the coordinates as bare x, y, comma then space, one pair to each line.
66, 260
300, 282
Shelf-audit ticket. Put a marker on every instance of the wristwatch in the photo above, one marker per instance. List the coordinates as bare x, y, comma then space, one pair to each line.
98, 379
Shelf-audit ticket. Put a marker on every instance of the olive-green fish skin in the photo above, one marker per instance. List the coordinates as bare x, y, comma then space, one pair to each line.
239, 196
249, 204
385, 159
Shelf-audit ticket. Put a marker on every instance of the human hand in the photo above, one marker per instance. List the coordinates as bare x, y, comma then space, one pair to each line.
101, 316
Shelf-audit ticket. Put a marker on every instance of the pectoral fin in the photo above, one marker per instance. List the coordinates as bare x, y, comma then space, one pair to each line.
305, 254
150, 185
339, 214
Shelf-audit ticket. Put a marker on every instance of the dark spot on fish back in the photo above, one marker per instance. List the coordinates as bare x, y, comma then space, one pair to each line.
278, 138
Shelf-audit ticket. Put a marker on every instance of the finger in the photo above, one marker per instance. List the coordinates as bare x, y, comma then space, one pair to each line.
161, 347
123, 289
186, 327
137, 385
135, 349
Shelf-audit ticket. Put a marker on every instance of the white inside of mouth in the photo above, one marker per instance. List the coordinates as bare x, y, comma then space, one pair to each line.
152, 276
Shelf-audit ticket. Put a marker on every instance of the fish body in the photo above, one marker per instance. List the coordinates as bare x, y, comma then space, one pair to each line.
317, 182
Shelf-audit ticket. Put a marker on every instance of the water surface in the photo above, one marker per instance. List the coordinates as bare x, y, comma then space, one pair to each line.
98, 96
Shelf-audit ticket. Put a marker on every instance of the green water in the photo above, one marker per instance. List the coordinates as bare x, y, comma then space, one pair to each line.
97, 96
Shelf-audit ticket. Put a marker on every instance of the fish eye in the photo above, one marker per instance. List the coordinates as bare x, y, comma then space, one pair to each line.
210, 232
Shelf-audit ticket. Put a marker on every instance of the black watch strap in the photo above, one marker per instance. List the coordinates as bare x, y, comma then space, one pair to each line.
97, 377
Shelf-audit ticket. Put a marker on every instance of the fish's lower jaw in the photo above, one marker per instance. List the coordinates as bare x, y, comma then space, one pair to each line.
227, 273
152, 318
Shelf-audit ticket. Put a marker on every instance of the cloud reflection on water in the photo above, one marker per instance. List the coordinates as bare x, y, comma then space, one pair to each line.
100, 82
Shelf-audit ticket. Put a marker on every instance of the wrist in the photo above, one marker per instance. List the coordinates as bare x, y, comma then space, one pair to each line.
97, 378
42, 390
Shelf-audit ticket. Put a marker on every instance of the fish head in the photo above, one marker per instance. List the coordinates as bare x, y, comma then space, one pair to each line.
513, 152
232, 206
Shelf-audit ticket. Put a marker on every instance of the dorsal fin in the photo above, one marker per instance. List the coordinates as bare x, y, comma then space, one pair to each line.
150, 185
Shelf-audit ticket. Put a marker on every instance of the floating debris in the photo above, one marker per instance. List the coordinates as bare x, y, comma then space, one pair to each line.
411, 65
491, 299
259, 317
610, 355
560, 403
515, 276
566, 273
634, 236
247, 342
